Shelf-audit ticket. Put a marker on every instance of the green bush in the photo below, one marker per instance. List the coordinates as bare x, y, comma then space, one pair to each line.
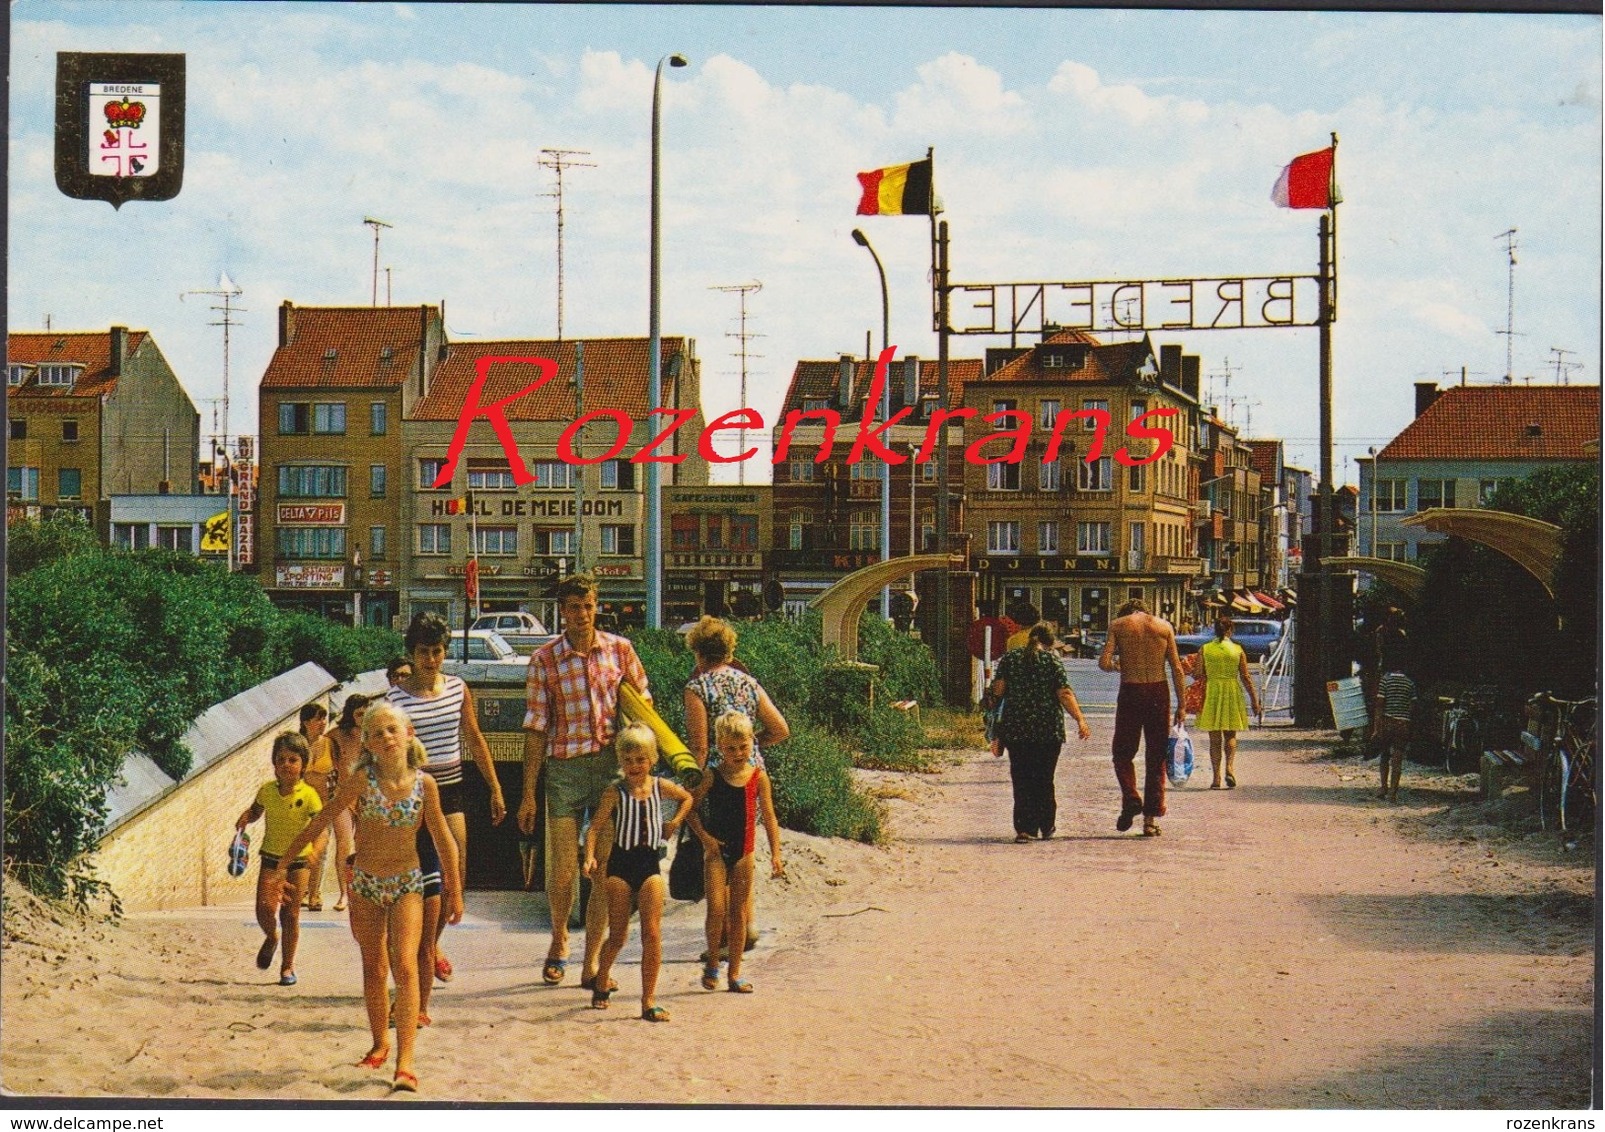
814, 791
907, 666
892, 740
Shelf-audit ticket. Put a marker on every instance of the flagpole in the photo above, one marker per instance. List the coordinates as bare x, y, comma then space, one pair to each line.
1328, 312
944, 604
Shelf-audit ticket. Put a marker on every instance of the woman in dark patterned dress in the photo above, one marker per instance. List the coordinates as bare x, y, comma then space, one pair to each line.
1035, 692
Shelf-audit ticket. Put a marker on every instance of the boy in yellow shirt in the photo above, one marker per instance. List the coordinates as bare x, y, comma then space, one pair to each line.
289, 805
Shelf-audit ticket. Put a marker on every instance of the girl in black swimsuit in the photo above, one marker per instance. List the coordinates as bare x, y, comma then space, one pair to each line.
631, 811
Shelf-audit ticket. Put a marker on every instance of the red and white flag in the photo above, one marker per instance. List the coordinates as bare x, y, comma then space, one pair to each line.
1307, 181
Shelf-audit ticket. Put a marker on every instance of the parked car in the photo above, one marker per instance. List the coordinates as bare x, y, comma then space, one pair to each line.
1257, 637
489, 654
523, 631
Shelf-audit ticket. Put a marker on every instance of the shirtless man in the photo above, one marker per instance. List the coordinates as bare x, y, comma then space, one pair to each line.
1140, 645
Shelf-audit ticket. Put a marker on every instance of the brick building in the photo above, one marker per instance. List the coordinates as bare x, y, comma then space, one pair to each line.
92, 414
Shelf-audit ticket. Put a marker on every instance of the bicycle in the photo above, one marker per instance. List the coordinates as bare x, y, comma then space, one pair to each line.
1566, 736
1464, 725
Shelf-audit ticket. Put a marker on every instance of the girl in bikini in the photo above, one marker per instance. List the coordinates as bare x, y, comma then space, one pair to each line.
729, 804
391, 798
346, 741
631, 812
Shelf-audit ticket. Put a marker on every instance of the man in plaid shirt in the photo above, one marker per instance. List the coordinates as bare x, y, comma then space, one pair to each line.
573, 700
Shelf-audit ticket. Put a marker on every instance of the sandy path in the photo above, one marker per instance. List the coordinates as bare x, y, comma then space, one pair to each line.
1292, 943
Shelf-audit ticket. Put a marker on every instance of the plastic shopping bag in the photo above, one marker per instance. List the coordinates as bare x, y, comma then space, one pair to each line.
1179, 755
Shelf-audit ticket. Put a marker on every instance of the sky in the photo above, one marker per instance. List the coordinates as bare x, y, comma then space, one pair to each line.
1070, 144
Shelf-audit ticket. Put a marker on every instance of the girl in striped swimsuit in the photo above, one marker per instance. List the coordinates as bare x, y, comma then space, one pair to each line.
632, 810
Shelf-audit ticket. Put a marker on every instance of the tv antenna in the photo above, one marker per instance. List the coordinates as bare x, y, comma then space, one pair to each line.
1563, 368
1509, 331
227, 291
742, 289
376, 225
558, 160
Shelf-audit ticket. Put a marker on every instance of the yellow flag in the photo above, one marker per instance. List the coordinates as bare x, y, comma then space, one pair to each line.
215, 535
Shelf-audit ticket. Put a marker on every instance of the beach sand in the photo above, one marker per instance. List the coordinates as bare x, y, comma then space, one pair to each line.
1292, 943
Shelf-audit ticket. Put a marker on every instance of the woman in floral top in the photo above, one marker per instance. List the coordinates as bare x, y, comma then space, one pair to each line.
1035, 692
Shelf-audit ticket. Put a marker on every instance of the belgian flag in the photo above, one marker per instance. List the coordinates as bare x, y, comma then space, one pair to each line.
897, 190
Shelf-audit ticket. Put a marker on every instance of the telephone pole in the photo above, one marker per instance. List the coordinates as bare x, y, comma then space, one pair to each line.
376, 225
742, 289
558, 160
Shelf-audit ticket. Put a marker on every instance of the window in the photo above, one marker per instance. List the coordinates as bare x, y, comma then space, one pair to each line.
69, 431
1048, 538
1138, 408
553, 475
618, 475
743, 532
1052, 360
18, 428
868, 468
553, 541
1097, 475
176, 538
1137, 478
800, 522
864, 531
378, 418
312, 481
815, 404
1088, 424
23, 483
1048, 478
618, 538
57, 375
713, 537
490, 475
684, 532
434, 538
1137, 542
928, 471
312, 542
496, 541
429, 470
1389, 495
1003, 406
1047, 412
376, 542
1393, 551
376, 481
1092, 538
70, 483
1003, 537
1486, 490
16, 375
329, 418
293, 418
1003, 477
802, 471
927, 531
131, 536
1434, 493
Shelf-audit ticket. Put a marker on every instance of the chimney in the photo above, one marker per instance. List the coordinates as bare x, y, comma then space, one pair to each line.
1189, 373
911, 380
1426, 394
1170, 365
844, 389
286, 322
119, 349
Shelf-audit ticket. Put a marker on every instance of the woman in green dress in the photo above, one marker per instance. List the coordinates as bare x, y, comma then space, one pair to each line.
1225, 668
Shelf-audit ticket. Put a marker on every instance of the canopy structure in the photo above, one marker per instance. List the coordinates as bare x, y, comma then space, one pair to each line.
1532, 543
843, 604
1407, 578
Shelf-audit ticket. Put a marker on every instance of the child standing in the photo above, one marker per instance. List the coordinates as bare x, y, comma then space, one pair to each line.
631, 811
289, 805
736, 795
392, 799
1396, 696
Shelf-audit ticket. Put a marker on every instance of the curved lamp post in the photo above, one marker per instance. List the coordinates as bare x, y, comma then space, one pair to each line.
654, 485
886, 411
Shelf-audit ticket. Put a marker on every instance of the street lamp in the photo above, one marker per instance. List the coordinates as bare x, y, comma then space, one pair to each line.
886, 411
654, 485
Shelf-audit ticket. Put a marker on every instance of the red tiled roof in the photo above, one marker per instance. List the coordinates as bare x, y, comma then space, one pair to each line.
88, 348
1265, 457
816, 380
615, 378
358, 336
1492, 422
1105, 364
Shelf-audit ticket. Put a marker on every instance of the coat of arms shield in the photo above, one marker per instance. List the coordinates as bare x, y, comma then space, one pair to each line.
119, 126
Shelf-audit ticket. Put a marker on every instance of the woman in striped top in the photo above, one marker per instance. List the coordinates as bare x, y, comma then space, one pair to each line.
442, 712
632, 810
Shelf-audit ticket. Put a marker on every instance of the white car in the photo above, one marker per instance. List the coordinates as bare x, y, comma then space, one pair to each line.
489, 654
523, 631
